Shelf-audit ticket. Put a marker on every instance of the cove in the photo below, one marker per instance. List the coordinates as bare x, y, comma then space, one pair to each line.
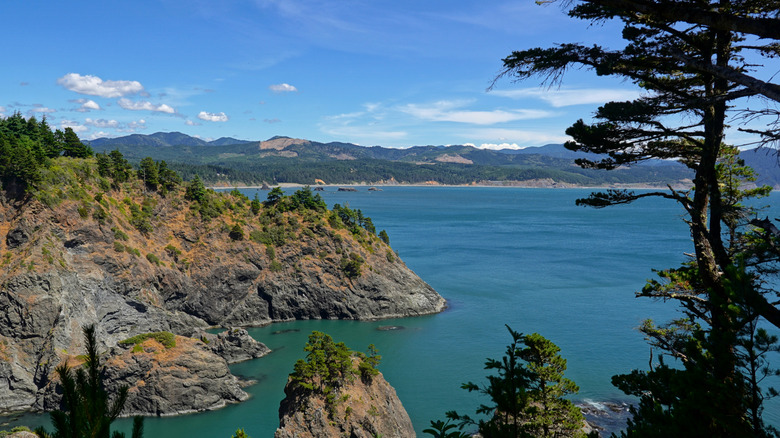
528, 258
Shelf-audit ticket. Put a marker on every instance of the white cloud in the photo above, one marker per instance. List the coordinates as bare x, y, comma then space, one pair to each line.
515, 136
2, 110
191, 123
74, 125
90, 105
87, 105
213, 117
144, 106
134, 126
498, 147
99, 134
42, 109
282, 88
94, 86
102, 123
568, 97
447, 111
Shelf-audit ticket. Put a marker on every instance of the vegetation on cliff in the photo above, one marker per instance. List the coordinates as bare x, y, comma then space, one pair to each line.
335, 391
143, 252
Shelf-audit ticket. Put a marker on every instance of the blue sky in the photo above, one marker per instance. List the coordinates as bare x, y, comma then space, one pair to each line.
395, 73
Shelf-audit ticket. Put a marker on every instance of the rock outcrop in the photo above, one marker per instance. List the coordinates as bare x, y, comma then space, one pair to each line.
361, 410
131, 261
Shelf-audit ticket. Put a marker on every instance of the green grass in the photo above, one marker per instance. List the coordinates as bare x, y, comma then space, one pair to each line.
167, 339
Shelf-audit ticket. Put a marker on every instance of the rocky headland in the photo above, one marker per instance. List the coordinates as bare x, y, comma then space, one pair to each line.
81, 249
368, 410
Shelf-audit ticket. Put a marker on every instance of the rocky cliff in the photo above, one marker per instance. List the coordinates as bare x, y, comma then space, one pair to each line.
361, 410
81, 250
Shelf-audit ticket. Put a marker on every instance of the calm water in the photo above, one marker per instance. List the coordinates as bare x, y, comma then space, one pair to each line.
524, 257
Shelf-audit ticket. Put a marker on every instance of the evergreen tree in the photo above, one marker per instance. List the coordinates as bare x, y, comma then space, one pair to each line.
274, 196
87, 411
149, 173
526, 393
120, 167
196, 191
72, 145
684, 71
168, 178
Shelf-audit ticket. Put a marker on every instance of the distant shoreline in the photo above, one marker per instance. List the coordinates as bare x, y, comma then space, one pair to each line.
498, 184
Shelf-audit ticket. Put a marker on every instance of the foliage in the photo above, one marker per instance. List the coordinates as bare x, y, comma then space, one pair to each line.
240, 434
384, 237
369, 363
441, 429
691, 75
196, 191
526, 393
236, 233
330, 365
87, 411
153, 259
167, 339
351, 266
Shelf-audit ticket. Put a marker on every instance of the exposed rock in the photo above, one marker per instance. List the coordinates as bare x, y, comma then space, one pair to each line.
234, 345
347, 189
362, 410
163, 381
60, 271
22, 434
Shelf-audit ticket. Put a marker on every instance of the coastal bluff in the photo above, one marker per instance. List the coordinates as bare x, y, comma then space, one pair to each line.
133, 262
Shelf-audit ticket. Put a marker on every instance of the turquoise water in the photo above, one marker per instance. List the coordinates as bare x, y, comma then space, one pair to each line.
525, 257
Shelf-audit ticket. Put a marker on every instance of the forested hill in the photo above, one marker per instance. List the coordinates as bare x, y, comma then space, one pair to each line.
291, 160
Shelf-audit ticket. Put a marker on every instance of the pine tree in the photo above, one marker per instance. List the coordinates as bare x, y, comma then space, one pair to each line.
87, 411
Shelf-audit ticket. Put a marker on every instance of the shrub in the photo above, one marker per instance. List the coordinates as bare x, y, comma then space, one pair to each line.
118, 247
153, 259
119, 234
236, 233
167, 339
351, 266
173, 252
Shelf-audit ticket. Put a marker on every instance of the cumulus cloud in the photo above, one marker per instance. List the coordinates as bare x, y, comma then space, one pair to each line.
87, 105
74, 125
448, 111
144, 106
191, 123
569, 97
213, 117
135, 126
282, 88
102, 123
95, 86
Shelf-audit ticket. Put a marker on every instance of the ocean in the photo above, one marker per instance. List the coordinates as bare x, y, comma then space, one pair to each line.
527, 258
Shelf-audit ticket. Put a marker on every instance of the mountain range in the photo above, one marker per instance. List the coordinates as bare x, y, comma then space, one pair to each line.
286, 159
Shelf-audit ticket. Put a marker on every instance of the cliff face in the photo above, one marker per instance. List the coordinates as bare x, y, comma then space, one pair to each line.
362, 410
84, 260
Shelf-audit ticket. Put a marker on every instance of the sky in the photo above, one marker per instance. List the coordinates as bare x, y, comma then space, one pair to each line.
394, 73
